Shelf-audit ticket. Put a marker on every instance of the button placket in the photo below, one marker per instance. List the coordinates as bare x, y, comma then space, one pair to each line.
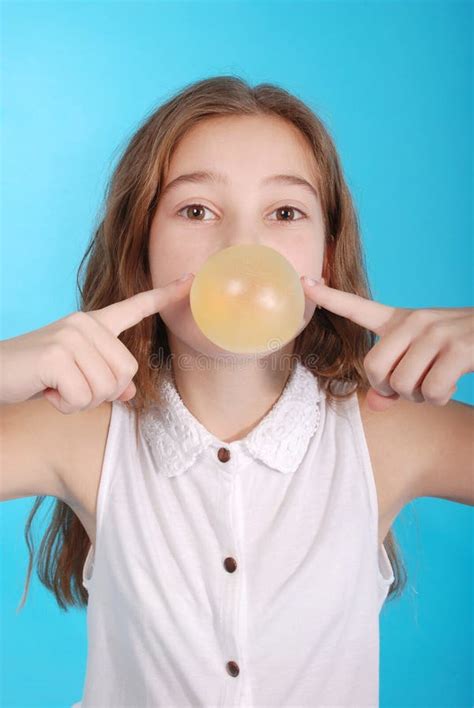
232, 587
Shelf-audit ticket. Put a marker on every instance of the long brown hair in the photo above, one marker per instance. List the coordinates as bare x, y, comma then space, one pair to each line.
116, 266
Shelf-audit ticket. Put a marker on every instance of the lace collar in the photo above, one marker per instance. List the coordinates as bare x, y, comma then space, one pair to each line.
280, 440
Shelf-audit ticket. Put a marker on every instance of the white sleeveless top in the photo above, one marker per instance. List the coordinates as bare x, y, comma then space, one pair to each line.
236, 574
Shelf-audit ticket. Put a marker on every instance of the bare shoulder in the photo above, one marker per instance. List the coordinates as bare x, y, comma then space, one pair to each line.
392, 463
82, 452
418, 449
47, 453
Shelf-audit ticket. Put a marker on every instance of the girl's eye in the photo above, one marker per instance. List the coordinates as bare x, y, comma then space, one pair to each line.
287, 208
194, 209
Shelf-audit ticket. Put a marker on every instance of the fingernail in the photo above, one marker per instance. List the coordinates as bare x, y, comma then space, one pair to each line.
310, 281
185, 276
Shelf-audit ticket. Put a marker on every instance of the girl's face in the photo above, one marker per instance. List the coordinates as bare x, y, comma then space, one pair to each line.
197, 217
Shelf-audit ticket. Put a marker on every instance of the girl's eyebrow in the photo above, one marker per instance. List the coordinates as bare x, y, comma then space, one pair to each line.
217, 177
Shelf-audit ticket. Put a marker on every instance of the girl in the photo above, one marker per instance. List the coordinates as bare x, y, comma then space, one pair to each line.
227, 518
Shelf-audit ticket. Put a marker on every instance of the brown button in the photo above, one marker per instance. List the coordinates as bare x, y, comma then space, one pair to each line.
230, 564
233, 668
223, 454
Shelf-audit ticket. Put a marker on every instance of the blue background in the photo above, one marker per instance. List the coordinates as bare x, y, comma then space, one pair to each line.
393, 83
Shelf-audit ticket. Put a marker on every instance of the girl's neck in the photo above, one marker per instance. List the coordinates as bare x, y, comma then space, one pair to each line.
229, 401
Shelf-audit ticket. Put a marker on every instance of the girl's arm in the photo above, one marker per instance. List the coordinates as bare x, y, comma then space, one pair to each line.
46, 453
78, 366
413, 370
444, 450
30, 450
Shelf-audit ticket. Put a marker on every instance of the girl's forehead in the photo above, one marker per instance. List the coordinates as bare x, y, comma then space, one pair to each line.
220, 150
231, 136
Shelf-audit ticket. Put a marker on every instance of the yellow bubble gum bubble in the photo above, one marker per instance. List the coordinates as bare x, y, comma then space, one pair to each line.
248, 299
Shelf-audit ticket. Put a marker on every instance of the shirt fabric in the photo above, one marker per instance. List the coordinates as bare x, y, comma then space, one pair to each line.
236, 574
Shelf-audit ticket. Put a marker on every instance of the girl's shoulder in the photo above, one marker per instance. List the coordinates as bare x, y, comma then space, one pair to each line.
85, 440
44, 448
416, 450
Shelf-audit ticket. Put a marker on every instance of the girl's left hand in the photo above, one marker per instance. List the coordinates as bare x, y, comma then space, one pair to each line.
421, 353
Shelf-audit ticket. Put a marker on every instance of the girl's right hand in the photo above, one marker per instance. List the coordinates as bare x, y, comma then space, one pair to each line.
77, 362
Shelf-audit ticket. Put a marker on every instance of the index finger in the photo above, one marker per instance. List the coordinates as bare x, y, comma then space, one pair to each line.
366, 313
121, 315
